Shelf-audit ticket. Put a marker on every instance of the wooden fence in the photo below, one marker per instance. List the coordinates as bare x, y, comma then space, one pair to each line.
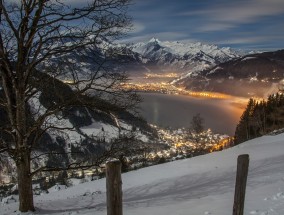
114, 186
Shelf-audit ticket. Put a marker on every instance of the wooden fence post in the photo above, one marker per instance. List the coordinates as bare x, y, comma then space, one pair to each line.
241, 181
114, 188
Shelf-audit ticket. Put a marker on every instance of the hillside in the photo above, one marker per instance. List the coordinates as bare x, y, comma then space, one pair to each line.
200, 185
78, 133
250, 75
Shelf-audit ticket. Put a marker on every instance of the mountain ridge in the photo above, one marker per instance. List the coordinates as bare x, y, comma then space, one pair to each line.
181, 56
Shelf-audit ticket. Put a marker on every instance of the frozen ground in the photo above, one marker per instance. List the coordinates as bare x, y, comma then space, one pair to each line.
198, 186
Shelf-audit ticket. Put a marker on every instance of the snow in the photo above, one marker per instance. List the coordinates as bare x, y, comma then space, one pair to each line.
95, 129
57, 188
214, 70
248, 58
9, 200
153, 40
200, 185
70, 133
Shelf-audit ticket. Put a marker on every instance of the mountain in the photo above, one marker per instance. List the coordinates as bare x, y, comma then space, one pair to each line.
250, 75
180, 56
152, 56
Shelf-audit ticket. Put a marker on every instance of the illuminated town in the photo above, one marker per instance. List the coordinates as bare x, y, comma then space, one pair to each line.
166, 75
176, 144
168, 88
186, 142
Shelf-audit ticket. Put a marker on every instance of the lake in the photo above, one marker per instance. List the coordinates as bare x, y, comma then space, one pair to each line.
221, 115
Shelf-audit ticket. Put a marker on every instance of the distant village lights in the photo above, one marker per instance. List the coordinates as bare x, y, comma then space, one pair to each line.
167, 88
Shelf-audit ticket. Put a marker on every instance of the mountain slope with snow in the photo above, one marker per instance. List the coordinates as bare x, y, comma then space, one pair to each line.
250, 75
200, 185
183, 48
182, 56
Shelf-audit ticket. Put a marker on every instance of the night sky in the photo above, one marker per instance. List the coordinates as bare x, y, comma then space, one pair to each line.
245, 24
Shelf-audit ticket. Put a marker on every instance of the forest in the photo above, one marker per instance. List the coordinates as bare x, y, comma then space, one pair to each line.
260, 118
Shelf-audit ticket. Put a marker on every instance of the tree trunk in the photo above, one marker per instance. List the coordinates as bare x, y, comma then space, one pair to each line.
26, 202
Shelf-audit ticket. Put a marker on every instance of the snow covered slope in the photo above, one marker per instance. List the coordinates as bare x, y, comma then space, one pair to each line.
74, 133
196, 186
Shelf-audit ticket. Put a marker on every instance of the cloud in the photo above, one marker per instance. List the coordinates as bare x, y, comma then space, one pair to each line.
248, 11
214, 27
160, 35
261, 42
137, 27
243, 40
229, 14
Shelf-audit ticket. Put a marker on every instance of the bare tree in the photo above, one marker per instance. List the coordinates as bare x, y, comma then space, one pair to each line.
42, 44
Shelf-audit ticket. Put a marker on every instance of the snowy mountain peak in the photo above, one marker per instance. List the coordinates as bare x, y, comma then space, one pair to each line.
154, 40
182, 55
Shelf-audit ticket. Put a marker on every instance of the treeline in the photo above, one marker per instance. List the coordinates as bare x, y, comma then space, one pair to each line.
260, 117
